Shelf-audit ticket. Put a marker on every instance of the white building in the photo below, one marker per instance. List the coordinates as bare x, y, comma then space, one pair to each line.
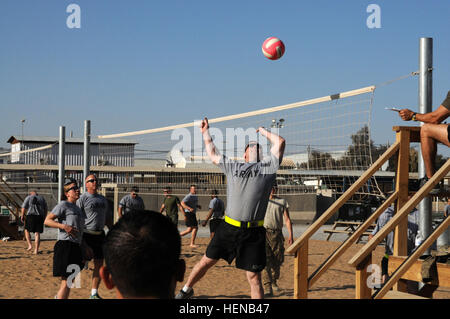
103, 152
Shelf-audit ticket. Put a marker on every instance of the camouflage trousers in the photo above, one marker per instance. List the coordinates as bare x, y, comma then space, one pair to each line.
274, 256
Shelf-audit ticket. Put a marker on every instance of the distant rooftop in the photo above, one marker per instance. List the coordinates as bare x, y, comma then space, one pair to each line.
48, 139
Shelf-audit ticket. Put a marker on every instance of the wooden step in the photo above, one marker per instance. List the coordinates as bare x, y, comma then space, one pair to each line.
394, 294
414, 273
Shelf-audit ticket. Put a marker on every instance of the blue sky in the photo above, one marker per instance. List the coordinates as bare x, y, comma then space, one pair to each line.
143, 64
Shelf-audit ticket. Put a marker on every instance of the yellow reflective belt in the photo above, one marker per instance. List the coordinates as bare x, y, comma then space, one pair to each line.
237, 223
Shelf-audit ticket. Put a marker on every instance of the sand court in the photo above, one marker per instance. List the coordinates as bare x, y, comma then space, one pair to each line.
27, 276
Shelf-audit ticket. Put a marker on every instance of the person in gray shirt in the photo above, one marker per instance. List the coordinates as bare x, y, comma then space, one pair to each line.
216, 213
190, 205
242, 235
95, 207
131, 202
413, 228
69, 219
33, 212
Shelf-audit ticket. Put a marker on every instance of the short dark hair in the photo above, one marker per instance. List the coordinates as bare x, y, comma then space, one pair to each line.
135, 189
142, 252
258, 146
214, 192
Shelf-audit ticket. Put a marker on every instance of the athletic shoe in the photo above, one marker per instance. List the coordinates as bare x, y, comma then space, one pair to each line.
268, 293
185, 295
436, 188
96, 296
275, 287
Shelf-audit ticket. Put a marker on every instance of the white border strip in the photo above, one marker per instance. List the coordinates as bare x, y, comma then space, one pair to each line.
248, 114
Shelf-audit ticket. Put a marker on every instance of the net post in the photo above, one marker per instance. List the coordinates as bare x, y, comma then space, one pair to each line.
86, 151
61, 161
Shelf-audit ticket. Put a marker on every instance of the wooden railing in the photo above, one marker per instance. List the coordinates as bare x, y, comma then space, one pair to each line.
10, 199
404, 136
362, 259
300, 246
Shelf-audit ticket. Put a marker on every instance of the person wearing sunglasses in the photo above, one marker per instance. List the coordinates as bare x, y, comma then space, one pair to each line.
69, 219
242, 235
95, 207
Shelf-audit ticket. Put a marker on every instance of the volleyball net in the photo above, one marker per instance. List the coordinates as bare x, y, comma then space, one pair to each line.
328, 146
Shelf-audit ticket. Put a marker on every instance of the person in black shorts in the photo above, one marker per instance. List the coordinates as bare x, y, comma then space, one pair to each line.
33, 212
216, 212
432, 132
68, 258
142, 256
190, 205
242, 235
95, 207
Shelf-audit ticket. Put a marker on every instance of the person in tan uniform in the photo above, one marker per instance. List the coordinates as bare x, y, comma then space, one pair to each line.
277, 212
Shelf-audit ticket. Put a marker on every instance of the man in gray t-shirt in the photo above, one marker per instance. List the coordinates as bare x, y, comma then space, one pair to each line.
190, 205
131, 202
241, 236
413, 228
33, 212
95, 206
71, 215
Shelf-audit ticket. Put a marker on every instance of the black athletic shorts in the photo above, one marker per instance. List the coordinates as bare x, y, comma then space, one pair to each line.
384, 265
34, 223
65, 254
214, 223
247, 245
95, 242
191, 219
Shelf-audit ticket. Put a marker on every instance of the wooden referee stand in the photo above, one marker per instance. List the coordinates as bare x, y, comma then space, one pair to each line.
399, 223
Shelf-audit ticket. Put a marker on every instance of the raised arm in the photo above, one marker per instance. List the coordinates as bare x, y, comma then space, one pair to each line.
211, 149
278, 143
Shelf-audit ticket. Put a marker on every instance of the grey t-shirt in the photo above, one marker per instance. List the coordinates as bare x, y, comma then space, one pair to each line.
413, 228
218, 207
248, 187
95, 207
35, 205
447, 210
191, 200
129, 203
70, 214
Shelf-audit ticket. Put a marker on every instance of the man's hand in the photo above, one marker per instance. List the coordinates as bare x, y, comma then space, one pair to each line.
204, 126
406, 114
72, 231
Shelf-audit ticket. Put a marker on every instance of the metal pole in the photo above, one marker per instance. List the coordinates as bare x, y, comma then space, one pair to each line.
87, 155
61, 161
425, 106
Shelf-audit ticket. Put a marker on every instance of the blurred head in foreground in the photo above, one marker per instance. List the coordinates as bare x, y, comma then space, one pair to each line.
142, 256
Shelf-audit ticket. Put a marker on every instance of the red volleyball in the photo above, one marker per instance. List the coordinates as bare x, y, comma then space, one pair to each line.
273, 48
